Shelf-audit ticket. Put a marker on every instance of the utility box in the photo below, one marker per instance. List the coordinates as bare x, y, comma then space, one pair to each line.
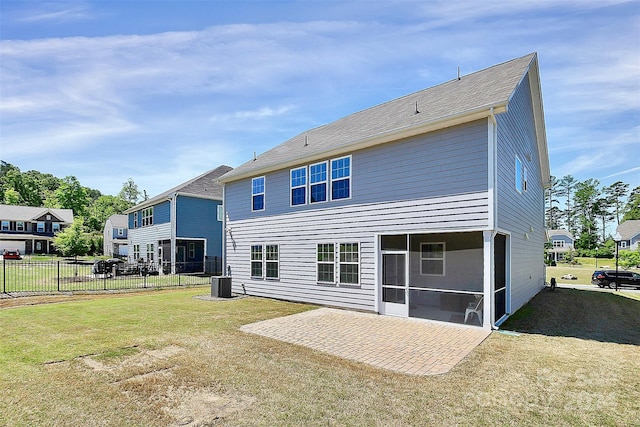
221, 287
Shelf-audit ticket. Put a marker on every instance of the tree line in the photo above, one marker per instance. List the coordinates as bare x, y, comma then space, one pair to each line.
588, 209
90, 207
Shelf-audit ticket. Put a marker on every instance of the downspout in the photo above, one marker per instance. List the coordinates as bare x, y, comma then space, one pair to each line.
490, 234
223, 235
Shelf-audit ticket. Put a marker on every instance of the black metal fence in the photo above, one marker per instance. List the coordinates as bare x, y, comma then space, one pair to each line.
22, 276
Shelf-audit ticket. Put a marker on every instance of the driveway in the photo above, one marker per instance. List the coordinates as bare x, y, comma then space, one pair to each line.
409, 346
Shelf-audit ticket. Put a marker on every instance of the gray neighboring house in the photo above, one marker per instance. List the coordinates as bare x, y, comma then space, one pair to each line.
115, 236
561, 243
630, 234
31, 229
428, 206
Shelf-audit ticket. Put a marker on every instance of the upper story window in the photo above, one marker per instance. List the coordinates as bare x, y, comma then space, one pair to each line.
19, 225
120, 231
341, 178
55, 227
623, 244
257, 194
558, 243
220, 213
521, 176
318, 181
5, 225
299, 186
40, 227
147, 216
135, 220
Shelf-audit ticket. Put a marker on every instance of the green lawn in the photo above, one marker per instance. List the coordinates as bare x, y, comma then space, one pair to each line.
165, 358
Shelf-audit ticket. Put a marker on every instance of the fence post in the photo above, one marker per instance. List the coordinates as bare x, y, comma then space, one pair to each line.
58, 276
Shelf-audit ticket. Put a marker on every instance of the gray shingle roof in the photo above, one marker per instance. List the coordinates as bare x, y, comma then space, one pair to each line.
551, 233
30, 213
479, 91
119, 221
629, 229
205, 185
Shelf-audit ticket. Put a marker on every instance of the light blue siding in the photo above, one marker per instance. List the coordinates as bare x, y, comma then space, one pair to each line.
197, 218
449, 161
521, 214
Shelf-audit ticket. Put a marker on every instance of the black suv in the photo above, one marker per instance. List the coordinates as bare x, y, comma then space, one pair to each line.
608, 278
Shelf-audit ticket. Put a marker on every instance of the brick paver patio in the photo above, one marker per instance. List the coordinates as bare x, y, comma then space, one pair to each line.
409, 346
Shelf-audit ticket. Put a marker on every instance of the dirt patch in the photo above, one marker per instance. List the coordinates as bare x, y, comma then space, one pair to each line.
187, 406
202, 406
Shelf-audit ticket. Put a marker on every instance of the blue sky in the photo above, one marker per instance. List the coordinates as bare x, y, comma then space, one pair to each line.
161, 91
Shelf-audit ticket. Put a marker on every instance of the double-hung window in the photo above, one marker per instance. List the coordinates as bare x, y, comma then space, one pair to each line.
40, 227
521, 176
341, 178
55, 227
120, 231
135, 220
256, 261
5, 225
318, 181
326, 262
272, 261
558, 243
257, 194
432, 259
265, 261
19, 225
349, 263
220, 213
299, 186
150, 251
136, 252
147, 216
192, 250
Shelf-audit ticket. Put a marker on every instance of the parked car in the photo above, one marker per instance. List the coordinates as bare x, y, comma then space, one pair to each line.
609, 278
11, 254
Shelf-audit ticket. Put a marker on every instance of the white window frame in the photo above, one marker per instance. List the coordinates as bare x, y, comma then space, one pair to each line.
263, 193
220, 213
623, 244
443, 259
55, 226
136, 252
558, 243
268, 259
6, 225
147, 216
331, 262
135, 220
341, 263
120, 231
19, 225
327, 189
40, 229
332, 180
295, 187
150, 251
257, 260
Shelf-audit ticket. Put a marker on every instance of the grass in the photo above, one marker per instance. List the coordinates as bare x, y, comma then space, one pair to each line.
583, 270
165, 358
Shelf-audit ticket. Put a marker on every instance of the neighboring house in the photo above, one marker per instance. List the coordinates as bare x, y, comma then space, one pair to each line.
115, 236
182, 227
561, 243
30, 229
630, 234
428, 206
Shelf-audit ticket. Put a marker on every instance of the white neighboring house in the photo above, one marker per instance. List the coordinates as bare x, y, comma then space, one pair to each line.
115, 233
630, 234
561, 243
